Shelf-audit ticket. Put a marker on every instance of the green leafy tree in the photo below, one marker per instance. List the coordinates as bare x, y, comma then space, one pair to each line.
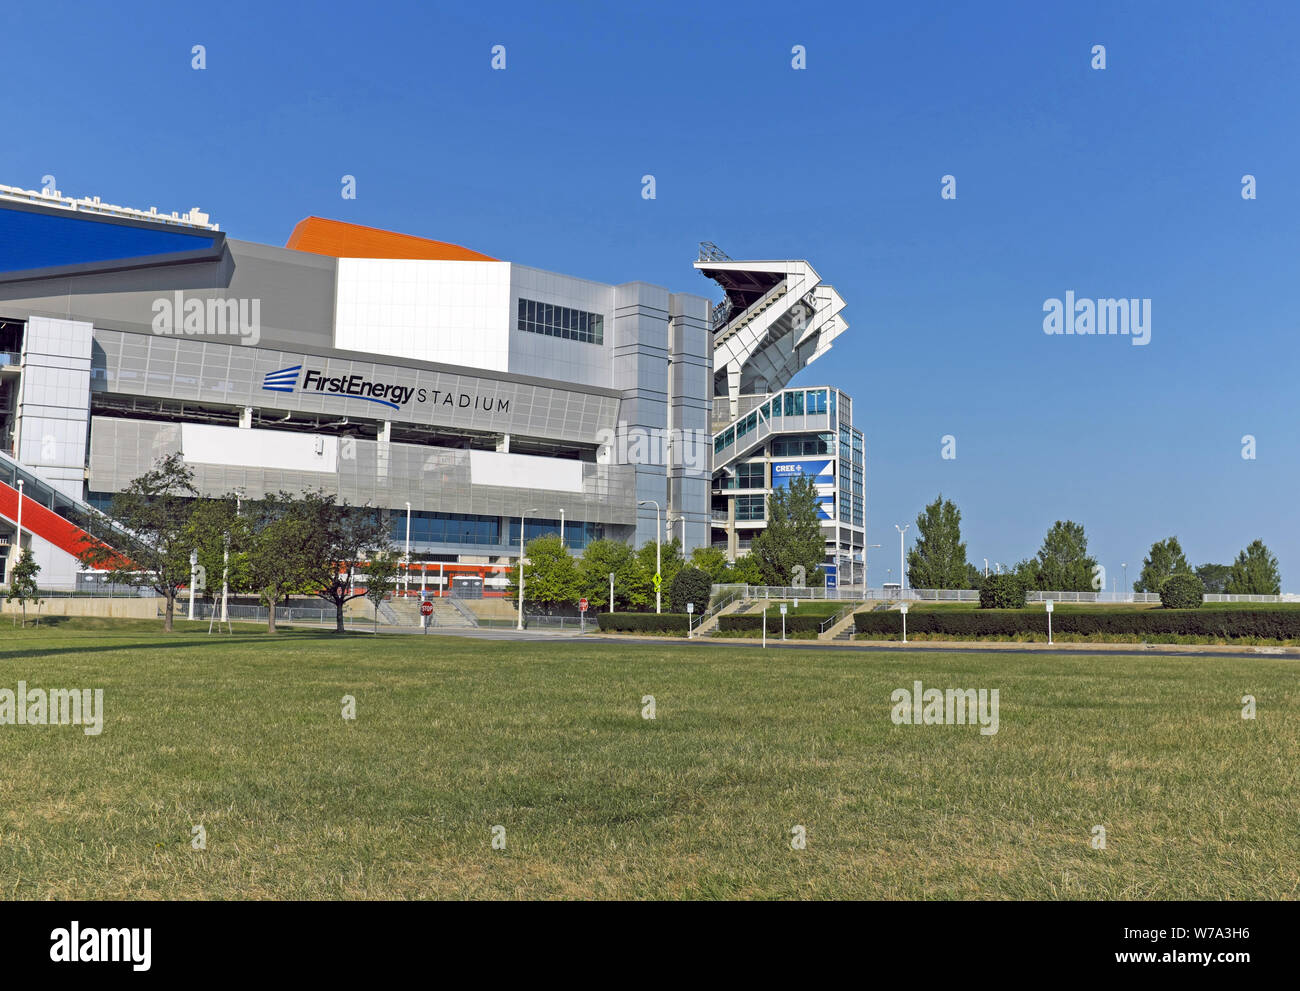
214, 525
1214, 577
600, 559
287, 550
1063, 561
1027, 571
712, 561
747, 570
690, 585
22, 582
150, 545
793, 536
1181, 590
1255, 572
350, 536
1165, 559
1004, 591
938, 559
381, 573
550, 577
672, 562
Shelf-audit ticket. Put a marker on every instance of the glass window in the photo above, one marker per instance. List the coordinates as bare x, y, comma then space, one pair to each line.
561, 321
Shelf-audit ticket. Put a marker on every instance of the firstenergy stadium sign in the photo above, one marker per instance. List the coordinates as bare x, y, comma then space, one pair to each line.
390, 394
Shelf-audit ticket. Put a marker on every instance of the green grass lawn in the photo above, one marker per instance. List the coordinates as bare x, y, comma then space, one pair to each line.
244, 735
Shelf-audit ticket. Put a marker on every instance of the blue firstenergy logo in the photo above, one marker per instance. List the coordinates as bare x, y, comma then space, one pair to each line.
282, 381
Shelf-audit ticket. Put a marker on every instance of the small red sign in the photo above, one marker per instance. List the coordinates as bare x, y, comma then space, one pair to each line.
426, 608
582, 605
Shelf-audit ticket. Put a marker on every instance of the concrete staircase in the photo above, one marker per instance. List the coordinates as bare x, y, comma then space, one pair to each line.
406, 612
710, 623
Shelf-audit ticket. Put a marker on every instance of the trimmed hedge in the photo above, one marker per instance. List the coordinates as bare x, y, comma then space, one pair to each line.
753, 623
642, 622
1182, 591
1226, 624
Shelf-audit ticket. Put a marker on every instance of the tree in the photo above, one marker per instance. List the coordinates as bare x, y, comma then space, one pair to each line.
1004, 591
1063, 561
690, 585
670, 554
287, 549
938, 560
712, 561
600, 559
746, 571
381, 578
1181, 590
350, 537
22, 582
215, 526
1255, 572
151, 543
1165, 559
793, 537
550, 576
1214, 576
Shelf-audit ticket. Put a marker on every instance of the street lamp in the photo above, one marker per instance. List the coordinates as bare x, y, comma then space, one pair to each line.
561, 526
1125, 567
522, 514
406, 567
986, 567
902, 575
19, 552
658, 559
194, 561
866, 567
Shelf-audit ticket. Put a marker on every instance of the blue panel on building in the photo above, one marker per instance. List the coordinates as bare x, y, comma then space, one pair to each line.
35, 240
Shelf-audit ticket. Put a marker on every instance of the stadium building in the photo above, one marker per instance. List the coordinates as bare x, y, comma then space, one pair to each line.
461, 392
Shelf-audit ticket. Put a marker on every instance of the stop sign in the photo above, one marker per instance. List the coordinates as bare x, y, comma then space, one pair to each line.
582, 605
426, 608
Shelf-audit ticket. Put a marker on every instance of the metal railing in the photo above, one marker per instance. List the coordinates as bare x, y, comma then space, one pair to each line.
837, 617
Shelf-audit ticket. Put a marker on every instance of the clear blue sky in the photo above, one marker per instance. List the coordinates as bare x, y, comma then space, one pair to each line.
1125, 182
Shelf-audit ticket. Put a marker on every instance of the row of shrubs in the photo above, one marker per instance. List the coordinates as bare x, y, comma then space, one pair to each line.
645, 622
1227, 624
754, 624
1180, 591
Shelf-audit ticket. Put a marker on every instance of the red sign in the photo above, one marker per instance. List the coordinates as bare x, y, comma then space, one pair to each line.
582, 605
426, 608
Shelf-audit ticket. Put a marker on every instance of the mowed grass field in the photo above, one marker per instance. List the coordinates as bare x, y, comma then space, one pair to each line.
244, 736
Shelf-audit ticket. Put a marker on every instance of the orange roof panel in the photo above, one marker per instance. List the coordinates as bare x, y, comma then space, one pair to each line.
337, 239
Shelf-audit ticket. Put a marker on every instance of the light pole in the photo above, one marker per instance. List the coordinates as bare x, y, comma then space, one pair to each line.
658, 558
561, 526
225, 586
19, 552
866, 567
986, 567
406, 566
522, 514
194, 561
902, 575
1125, 567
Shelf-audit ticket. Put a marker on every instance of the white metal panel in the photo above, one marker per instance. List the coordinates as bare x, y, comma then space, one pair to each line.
525, 471
203, 443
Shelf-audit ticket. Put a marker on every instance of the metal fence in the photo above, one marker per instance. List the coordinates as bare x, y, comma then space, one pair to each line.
859, 594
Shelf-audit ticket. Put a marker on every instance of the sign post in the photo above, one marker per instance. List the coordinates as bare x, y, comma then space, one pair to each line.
611, 591
582, 615
782, 620
765, 627
426, 610
690, 613
903, 610
1049, 622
